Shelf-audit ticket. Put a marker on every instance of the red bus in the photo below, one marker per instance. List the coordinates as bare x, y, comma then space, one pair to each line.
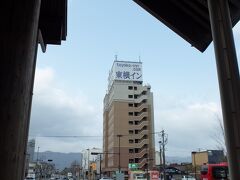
215, 171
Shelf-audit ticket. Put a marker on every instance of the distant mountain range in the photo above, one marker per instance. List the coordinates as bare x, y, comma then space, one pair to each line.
179, 160
62, 160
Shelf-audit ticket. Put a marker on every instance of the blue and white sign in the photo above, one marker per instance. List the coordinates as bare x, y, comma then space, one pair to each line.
126, 71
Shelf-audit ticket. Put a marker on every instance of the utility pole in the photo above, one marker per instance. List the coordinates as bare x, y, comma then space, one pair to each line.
38, 166
100, 166
37, 154
119, 162
164, 162
89, 176
160, 156
162, 143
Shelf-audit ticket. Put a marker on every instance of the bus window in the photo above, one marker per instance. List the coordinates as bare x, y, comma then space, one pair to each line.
215, 171
220, 172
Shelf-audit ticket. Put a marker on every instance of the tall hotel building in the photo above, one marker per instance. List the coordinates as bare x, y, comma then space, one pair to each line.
128, 120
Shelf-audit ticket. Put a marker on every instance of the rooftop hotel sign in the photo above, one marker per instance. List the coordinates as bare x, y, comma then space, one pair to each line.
126, 71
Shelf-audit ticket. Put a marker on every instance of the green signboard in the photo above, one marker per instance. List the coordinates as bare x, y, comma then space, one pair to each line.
133, 166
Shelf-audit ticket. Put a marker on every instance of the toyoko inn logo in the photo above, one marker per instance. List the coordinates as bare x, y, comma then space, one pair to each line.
127, 71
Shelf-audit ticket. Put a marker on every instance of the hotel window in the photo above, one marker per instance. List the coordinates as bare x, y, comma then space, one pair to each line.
130, 113
130, 104
135, 88
130, 87
131, 160
144, 119
130, 141
130, 96
130, 151
144, 92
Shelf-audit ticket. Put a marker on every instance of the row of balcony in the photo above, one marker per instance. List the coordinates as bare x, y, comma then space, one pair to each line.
139, 117
140, 114
141, 98
139, 126
141, 91
139, 154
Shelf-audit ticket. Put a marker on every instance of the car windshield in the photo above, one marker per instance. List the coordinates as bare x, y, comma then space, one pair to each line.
188, 176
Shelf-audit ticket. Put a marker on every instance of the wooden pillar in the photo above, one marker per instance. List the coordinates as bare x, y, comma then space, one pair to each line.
228, 77
19, 31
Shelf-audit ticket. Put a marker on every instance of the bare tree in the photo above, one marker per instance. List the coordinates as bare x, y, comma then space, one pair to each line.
219, 135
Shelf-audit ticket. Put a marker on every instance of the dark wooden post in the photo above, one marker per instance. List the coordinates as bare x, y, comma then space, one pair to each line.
228, 77
19, 31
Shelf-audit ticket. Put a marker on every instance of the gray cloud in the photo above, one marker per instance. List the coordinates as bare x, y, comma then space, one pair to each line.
56, 113
189, 125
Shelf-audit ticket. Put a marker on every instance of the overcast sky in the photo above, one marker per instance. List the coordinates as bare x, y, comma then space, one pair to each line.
71, 79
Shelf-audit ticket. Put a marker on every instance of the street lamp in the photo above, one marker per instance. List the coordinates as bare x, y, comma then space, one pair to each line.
194, 160
147, 162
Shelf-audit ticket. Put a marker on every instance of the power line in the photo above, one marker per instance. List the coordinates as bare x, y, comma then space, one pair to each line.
66, 136
83, 136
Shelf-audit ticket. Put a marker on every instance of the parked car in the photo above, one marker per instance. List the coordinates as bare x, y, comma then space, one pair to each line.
106, 178
188, 177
